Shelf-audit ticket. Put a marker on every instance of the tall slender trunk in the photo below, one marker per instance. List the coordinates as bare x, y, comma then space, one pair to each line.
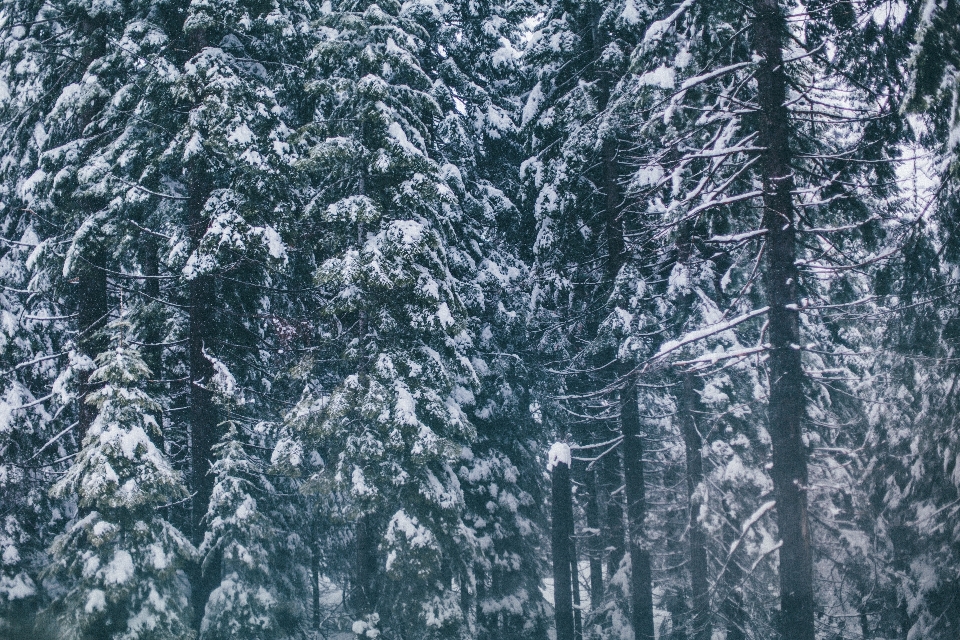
614, 537
616, 254
594, 541
315, 578
699, 587
562, 530
733, 610
641, 582
365, 569
203, 414
575, 584
152, 328
780, 283
153, 331
92, 313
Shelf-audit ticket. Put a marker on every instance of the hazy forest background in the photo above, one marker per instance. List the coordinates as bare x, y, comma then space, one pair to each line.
479, 319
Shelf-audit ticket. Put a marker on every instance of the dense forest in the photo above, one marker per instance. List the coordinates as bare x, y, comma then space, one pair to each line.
479, 319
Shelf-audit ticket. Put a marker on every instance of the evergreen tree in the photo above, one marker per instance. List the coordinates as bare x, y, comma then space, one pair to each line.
397, 258
713, 124
913, 443
120, 564
260, 594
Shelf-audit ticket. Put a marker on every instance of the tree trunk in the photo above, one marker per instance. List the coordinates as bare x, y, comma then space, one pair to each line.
575, 585
203, 411
92, 313
616, 254
593, 539
152, 327
152, 331
365, 587
614, 533
699, 586
641, 582
203, 414
562, 530
733, 611
315, 579
780, 283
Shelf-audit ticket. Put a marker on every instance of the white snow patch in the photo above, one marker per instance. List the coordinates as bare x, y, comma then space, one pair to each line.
532, 105
119, 570
17, 588
406, 407
193, 147
648, 175
397, 133
559, 454
96, 601
411, 231
663, 77
241, 135
359, 482
444, 315
893, 11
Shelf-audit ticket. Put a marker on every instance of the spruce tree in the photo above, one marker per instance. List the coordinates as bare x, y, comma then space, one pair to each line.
120, 564
397, 257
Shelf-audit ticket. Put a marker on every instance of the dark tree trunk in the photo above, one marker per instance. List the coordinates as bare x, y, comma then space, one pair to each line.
92, 313
152, 331
593, 538
152, 327
562, 530
733, 611
315, 579
365, 594
699, 586
203, 414
614, 533
616, 255
641, 583
575, 586
780, 283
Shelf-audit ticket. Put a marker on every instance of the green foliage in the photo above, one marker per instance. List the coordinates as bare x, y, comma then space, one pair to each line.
120, 563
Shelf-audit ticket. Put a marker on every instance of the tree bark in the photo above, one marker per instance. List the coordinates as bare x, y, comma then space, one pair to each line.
365, 594
575, 584
613, 223
152, 328
92, 313
152, 333
641, 582
203, 414
315, 579
593, 539
614, 532
699, 586
780, 283
562, 530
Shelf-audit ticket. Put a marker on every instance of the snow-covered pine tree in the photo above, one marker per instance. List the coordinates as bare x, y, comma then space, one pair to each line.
500, 472
29, 446
38, 391
913, 444
260, 595
398, 257
119, 566
712, 125
574, 177
164, 165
